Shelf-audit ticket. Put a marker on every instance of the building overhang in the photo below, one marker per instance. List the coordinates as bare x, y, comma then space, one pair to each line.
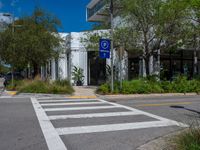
97, 11
92, 3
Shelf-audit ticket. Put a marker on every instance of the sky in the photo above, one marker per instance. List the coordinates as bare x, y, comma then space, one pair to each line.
71, 13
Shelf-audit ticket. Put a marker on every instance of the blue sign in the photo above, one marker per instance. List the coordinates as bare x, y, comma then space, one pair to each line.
104, 48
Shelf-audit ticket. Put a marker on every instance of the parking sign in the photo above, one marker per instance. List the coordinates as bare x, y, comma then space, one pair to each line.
104, 48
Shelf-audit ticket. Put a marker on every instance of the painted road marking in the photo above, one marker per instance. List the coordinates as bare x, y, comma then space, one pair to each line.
81, 108
161, 122
52, 138
65, 104
146, 113
112, 114
113, 127
70, 100
163, 104
5, 96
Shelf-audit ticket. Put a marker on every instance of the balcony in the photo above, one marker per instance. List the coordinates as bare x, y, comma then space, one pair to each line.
97, 10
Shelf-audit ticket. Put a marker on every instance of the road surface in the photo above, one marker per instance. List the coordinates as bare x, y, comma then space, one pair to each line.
91, 124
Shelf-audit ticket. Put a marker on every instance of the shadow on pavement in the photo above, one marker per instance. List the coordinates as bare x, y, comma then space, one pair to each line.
182, 107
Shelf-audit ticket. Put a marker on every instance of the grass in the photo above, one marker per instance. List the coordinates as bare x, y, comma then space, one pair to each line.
39, 86
187, 140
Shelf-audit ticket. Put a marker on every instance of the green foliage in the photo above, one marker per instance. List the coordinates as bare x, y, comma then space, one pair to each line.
33, 39
62, 82
188, 140
38, 86
78, 75
104, 89
91, 39
3, 69
151, 85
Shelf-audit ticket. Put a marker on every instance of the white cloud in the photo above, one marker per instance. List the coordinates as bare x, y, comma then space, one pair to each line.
1, 4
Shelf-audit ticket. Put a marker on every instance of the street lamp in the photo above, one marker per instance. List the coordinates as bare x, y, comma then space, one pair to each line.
13, 31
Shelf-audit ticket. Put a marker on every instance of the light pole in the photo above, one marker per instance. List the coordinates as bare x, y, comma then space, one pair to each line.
13, 31
112, 44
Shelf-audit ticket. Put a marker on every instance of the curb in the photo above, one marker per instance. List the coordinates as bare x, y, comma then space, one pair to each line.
146, 95
12, 93
161, 143
82, 97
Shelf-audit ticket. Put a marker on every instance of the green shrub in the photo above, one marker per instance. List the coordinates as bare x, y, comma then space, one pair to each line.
62, 82
16, 84
39, 86
189, 140
34, 87
152, 85
104, 89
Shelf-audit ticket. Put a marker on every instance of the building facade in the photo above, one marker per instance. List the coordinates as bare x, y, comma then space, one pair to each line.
97, 71
5, 20
166, 64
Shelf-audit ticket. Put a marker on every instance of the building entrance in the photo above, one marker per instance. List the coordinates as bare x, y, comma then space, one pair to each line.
96, 69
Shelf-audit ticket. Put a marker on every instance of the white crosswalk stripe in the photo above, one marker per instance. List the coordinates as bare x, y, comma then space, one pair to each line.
69, 100
113, 127
60, 105
65, 104
80, 108
112, 114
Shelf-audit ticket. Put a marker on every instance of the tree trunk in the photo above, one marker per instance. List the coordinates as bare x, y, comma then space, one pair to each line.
195, 62
151, 65
120, 65
36, 70
157, 67
170, 65
144, 73
146, 53
147, 65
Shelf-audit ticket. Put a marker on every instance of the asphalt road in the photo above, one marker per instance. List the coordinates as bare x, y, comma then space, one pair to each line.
19, 127
85, 124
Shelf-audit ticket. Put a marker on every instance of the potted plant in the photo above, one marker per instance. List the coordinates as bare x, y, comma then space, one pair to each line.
78, 76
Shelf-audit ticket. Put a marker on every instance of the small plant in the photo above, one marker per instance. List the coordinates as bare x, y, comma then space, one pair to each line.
78, 76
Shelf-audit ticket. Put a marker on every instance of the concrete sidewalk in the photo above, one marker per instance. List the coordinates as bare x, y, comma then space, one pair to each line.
84, 92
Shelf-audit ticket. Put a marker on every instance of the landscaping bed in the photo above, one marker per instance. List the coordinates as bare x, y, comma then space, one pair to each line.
147, 86
39, 86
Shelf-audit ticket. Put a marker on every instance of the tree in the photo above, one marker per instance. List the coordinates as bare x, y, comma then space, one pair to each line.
34, 42
193, 28
156, 25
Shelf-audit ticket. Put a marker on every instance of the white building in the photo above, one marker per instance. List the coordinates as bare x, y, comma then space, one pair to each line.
75, 54
96, 70
5, 19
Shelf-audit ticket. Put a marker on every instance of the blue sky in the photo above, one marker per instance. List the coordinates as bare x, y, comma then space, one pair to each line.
72, 13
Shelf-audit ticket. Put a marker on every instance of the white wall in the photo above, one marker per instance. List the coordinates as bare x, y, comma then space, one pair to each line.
79, 54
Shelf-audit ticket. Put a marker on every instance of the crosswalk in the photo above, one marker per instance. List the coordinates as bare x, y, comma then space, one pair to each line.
57, 116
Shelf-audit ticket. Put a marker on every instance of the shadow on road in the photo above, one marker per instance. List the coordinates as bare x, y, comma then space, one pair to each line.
182, 107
